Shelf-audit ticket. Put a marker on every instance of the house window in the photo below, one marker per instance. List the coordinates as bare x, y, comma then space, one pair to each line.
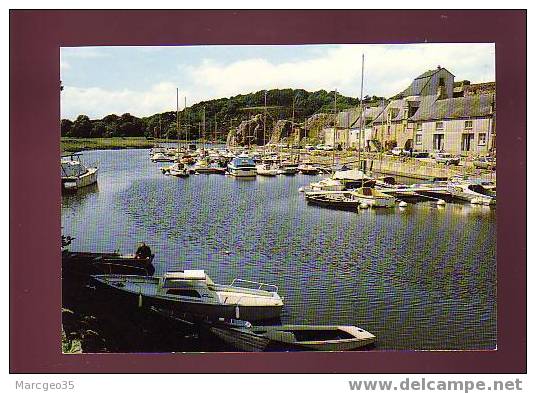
418, 139
419, 126
439, 125
468, 124
482, 139
441, 81
438, 141
467, 142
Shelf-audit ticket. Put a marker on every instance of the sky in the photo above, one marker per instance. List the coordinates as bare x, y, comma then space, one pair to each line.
142, 80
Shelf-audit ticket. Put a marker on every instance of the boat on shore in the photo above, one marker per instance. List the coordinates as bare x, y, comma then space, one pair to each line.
242, 166
243, 336
192, 292
75, 175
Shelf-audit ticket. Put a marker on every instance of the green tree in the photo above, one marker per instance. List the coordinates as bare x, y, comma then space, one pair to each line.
66, 127
98, 129
82, 127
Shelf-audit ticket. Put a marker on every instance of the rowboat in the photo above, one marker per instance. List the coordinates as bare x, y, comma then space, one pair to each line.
246, 337
333, 200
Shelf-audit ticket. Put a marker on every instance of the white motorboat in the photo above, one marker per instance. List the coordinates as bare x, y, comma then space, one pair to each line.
242, 166
327, 184
192, 292
266, 170
287, 168
308, 169
75, 175
162, 157
178, 169
476, 191
371, 197
250, 338
354, 178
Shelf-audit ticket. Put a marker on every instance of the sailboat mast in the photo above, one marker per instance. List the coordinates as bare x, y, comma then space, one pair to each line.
187, 125
204, 129
361, 120
264, 122
178, 123
381, 137
334, 133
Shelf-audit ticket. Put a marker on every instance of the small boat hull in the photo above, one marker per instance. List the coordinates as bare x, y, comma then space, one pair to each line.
242, 172
84, 180
332, 201
294, 338
86, 264
287, 171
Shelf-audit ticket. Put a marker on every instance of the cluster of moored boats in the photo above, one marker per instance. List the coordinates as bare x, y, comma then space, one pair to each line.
226, 310
352, 189
191, 160
345, 188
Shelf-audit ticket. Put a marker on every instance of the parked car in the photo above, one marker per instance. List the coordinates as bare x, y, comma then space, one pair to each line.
485, 163
420, 154
309, 147
397, 151
447, 159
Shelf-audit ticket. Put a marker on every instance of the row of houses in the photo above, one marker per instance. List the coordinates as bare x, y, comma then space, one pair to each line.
433, 113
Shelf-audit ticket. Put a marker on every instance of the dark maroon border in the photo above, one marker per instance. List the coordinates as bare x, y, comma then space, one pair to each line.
35, 38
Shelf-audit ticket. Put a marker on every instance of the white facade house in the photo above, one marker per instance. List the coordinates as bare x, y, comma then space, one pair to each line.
463, 125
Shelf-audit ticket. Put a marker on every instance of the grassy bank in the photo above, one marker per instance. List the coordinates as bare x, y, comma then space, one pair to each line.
79, 144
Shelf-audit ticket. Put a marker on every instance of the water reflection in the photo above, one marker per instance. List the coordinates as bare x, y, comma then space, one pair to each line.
419, 277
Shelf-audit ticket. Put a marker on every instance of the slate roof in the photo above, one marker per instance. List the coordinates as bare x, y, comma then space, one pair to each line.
354, 116
396, 108
420, 82
454, 108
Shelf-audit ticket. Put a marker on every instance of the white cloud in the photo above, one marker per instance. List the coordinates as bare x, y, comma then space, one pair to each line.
97, 102
388, 69
64, 65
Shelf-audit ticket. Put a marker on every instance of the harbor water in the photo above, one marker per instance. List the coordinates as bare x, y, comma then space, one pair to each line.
419, 278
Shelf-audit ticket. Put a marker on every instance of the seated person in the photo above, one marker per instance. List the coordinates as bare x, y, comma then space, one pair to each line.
143, 251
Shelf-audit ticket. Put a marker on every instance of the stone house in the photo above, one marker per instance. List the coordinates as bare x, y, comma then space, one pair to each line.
461, 125
433, 113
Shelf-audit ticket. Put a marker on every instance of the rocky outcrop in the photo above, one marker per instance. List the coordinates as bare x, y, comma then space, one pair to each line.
252, 130
249, 131
281, 132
